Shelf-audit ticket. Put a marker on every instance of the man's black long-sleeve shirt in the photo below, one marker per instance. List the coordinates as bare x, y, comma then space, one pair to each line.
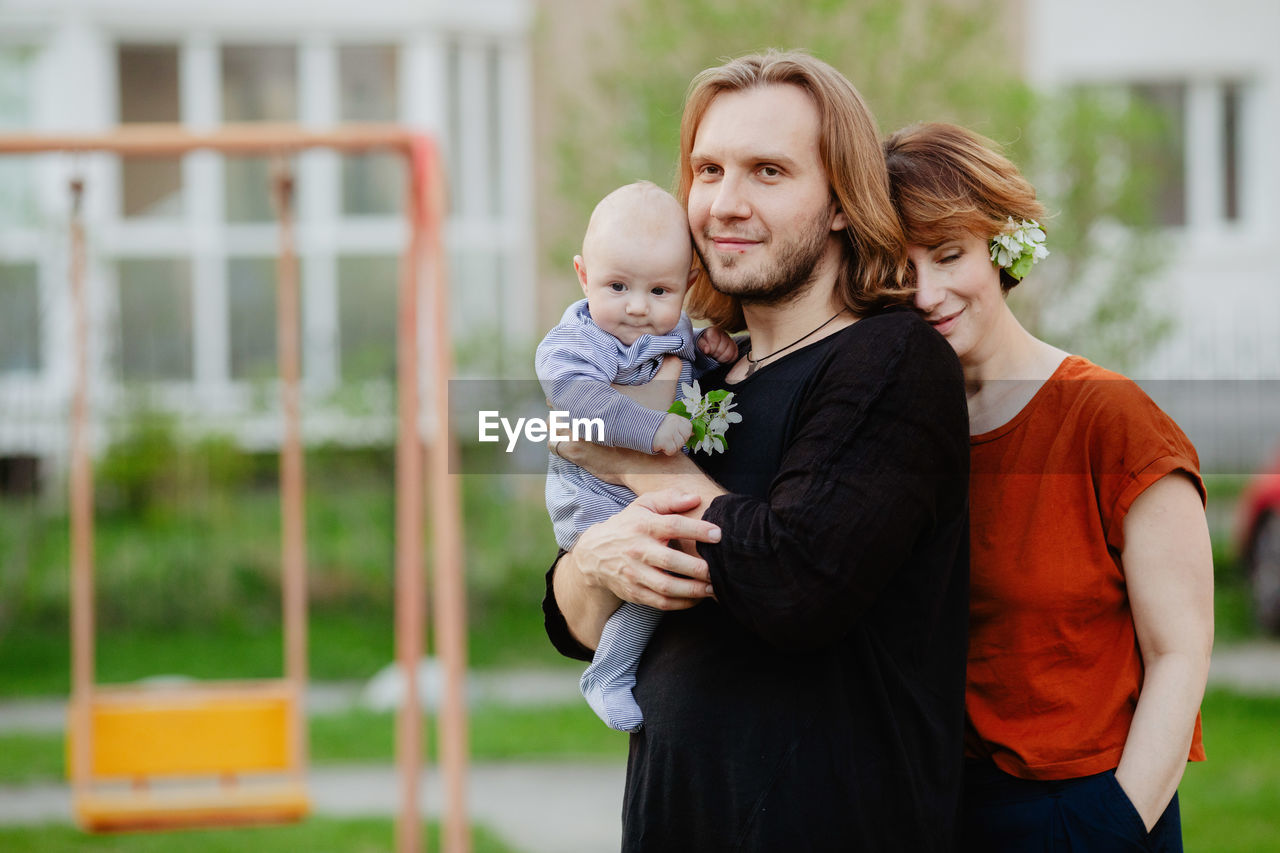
818, 702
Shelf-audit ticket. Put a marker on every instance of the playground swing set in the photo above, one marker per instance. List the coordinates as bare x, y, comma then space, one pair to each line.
162, 756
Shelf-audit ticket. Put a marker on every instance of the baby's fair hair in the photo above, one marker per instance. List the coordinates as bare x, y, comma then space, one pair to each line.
947, 182
640, 207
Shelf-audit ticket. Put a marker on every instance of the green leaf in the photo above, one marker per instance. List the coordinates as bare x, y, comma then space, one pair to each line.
699, 431
679, 408
724, 442
716, 396
1021, 266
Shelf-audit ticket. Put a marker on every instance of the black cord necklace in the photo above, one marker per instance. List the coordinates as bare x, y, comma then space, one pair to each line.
752, 362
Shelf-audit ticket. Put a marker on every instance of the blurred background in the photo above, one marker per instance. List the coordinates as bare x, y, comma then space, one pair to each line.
1147, 127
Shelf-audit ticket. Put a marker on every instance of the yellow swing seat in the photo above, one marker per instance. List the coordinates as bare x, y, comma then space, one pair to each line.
209, 754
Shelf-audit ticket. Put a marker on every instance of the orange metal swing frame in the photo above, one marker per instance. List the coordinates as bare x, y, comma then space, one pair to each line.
224, 753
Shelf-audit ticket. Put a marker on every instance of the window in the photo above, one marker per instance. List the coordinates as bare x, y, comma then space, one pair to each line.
19, 475
454, 146
493, 132
373, 183
259, 83
367, 316
1232, 96
17, 190
155, 319
251, 294
150, 92
227, 243
1210, 159
1167, 103
494, 301
476, 127
19, 319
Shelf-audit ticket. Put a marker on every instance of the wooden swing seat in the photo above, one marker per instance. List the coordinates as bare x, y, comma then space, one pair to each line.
207, 754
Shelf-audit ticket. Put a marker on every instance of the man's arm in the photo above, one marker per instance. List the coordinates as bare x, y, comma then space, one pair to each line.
877, 465
644, 473
885, 438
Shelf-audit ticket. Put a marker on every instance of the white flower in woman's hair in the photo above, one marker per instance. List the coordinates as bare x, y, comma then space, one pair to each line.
1018, 247
709, 415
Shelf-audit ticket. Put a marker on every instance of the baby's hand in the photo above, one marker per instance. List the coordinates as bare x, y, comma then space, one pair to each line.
716, 343
672, 435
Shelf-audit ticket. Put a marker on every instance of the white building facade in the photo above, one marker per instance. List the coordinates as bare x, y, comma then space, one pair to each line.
181, 251
1215, 70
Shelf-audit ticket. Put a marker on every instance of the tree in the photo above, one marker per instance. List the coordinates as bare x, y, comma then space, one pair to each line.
1089, 152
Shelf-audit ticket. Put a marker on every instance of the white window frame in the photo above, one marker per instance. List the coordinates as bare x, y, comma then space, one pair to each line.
77, 92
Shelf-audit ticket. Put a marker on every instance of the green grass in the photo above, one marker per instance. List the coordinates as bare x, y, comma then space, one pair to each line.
1232, 602
497, 734
1233, 612
1225, 488
187, 582
35, 661
565, 733
1231, 802
187, 551
316, 834
27, 759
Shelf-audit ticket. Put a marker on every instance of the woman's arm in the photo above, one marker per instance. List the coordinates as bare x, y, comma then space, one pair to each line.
1168, 567
627, 557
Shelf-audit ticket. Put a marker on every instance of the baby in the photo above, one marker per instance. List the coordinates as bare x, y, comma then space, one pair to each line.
635, 268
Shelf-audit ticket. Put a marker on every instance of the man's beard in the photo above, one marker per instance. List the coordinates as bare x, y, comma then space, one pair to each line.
785, 277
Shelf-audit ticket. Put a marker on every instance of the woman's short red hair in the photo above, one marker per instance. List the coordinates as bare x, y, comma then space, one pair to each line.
946, 181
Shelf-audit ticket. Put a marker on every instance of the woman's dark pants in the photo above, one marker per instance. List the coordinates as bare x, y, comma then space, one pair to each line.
1092, 814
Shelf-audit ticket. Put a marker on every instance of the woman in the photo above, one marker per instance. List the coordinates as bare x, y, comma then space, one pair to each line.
1091, 613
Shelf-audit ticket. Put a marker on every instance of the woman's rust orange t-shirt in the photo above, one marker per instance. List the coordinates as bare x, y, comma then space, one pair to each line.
1054, 666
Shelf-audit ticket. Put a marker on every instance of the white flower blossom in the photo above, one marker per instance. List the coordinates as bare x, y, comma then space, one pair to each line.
1016, 241
711, 417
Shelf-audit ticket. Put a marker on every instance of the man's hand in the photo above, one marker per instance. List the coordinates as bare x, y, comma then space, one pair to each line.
627, 557
672, 435
716, 343
630, 555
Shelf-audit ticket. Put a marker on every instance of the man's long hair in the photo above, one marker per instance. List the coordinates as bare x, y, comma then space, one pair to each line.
873, 263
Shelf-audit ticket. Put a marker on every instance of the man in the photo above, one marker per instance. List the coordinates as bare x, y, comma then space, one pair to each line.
806, 690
